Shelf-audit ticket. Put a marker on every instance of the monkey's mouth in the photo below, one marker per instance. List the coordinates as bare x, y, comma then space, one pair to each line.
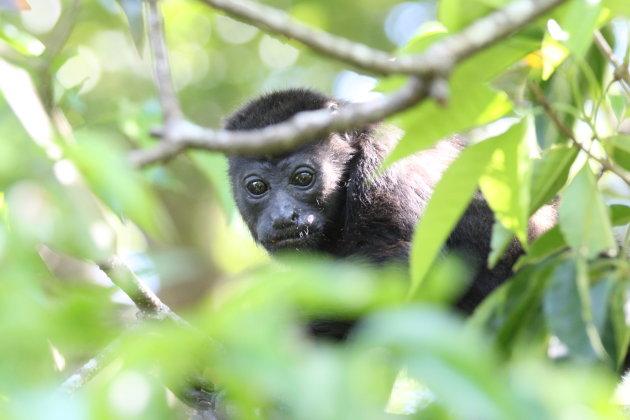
288, 242
291, 240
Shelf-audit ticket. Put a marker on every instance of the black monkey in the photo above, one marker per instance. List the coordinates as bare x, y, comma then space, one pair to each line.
326, 197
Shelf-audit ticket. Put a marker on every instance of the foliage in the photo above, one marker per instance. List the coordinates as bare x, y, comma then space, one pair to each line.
549, 115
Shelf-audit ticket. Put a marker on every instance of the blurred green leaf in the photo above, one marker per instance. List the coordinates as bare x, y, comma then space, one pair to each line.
215, 167
422, 339
112, 179
619, 215
619, 105
135, 18
608, 296
456, 14
579, 22
583, 217
618, 7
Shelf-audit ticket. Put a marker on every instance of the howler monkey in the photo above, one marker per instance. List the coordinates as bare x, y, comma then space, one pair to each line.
326, 196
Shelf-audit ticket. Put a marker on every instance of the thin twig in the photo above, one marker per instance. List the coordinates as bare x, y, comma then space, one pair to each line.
138, 292
606, 164
163, 80
621, 69
90, 369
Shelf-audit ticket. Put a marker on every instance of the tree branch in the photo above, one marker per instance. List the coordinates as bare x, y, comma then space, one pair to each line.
138, 292
438, 59
284, 136
90, 369
199, 392
478, 35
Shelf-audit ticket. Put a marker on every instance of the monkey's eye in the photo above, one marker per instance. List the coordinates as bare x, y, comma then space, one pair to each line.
302, 178
256, 187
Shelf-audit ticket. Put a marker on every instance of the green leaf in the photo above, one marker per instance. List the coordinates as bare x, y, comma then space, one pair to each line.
448, 202
618, 148
543, 247
437, 349
584, 219
580, 21
509, 308
135, 18
472, 102
619, 215
549, 174
607, 296
505, 182
619, 105
568, 318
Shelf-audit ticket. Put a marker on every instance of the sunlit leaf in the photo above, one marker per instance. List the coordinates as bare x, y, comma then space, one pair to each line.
579, 22
448, 202
617, 7
505, 181
471, 103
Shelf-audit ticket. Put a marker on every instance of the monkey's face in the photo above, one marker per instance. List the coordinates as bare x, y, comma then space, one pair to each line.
291, 201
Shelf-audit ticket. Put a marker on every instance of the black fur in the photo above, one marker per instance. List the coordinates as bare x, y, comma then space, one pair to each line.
348, 211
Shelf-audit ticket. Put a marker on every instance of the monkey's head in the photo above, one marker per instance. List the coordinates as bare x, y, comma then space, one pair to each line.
293, 200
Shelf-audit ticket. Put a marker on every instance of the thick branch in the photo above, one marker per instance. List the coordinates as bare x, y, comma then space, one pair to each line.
284, 136
437, 60
478, 35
